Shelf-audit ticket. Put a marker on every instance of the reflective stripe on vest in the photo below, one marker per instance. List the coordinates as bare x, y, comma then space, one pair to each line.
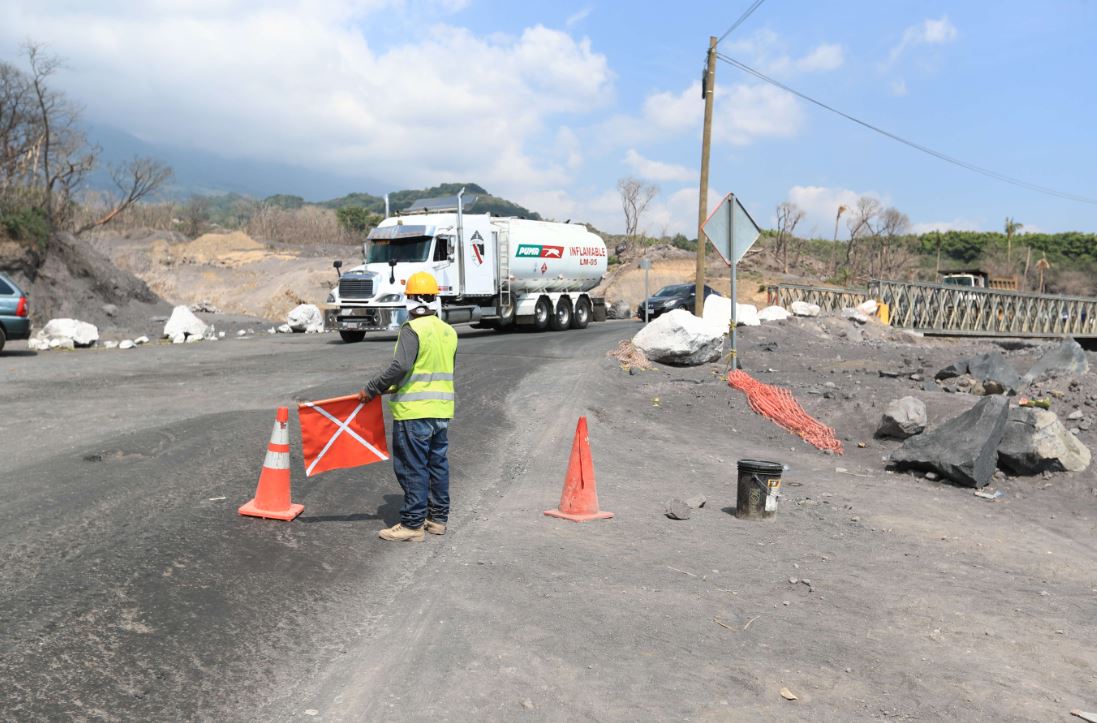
427, 391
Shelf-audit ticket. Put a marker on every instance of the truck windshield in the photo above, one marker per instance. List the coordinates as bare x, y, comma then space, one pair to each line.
960, 280
381, 251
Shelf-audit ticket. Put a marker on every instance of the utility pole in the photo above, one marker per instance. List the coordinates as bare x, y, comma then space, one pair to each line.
708, 89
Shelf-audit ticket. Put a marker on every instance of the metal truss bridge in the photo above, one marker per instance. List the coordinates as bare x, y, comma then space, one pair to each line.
956, 310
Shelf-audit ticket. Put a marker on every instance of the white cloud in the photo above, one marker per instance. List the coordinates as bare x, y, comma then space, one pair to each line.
578, 17
750, 112
898, 88
820, 205
298, 81
657, 170
959, 224
669, 212
826, 57
768, 52
927, 32
742, 114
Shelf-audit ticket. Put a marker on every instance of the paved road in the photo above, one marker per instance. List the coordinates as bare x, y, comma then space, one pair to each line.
129, 586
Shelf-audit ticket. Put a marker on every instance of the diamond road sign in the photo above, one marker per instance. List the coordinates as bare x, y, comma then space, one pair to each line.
731, 229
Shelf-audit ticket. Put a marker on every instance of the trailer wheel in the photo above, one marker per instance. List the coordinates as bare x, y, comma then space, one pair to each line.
581, 317
542, 312
561, 319
352, 337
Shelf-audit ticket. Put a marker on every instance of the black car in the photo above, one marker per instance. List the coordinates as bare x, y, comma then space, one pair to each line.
675, 296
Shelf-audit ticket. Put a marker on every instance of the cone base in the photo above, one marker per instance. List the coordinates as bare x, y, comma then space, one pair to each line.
251, 510
579, 518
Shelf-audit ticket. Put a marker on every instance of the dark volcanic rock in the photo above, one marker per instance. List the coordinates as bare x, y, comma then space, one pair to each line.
1036, 441
991, 367
676, 509
1067, 358
963, 449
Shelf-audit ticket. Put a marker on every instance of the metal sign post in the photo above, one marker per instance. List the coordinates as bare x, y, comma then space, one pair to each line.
734, 299
732, 232
645, 264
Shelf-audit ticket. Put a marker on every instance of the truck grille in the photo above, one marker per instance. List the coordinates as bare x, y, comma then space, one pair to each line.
355, 288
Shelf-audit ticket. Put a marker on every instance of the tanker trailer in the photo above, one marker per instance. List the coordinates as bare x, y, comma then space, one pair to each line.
493, 272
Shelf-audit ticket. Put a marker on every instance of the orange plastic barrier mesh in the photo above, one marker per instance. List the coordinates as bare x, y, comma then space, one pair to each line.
778, 404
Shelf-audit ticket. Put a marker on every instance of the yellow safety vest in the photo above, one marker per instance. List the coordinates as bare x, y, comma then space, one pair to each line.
427, 392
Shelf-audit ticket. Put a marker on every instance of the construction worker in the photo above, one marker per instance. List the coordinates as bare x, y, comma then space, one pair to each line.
421, 372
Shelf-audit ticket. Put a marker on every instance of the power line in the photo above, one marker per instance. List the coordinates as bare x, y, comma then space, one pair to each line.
742, 19
917, 146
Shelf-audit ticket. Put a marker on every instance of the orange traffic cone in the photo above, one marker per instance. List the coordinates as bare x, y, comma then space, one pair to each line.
272, 496
579, 501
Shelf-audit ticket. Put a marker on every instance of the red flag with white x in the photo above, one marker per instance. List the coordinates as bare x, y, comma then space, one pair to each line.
341, 432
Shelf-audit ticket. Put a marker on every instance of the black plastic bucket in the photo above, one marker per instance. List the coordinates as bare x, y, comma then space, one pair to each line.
759, 487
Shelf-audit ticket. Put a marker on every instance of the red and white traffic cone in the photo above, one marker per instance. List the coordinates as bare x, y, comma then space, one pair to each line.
272, 496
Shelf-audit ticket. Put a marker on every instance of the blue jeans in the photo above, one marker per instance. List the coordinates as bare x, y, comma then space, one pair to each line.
419, 459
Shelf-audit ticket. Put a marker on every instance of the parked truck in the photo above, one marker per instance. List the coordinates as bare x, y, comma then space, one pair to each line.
494, 272
978, 279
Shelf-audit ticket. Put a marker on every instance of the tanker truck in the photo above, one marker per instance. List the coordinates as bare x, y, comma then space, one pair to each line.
494, 272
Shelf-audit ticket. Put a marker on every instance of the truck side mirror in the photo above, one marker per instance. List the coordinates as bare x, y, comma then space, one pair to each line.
338, 265
392, 271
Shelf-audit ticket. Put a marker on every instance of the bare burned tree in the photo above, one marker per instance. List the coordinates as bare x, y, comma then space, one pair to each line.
789, 215
894, 251
61, 155
195, 215
45, 156
635, 197
135, 180
861, 224
879, 245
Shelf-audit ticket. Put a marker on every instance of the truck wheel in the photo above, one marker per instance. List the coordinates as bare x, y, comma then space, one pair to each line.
352, 337
542, 312
581, 317
561, 320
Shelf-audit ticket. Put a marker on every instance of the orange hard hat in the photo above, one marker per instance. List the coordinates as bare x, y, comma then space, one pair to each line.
421, 283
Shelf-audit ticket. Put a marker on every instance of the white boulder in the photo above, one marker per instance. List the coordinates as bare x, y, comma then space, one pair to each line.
68, 333
1036, 441
680, 338
183, 322
855, 315
241, 332
803, 308
718, 313
36, 344
141, 340
868, 308
306, 318
773, 313
127, 344
285, 329
110, 345
180, 338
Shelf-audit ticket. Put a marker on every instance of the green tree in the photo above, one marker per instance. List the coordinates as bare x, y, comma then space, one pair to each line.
357, 219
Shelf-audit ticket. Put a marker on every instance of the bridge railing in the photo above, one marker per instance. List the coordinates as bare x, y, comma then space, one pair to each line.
826, 297
958, 310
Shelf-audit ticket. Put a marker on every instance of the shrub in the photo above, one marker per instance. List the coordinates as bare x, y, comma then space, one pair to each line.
28, 225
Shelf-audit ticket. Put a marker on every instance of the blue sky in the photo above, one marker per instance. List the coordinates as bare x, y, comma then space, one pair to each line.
551, 103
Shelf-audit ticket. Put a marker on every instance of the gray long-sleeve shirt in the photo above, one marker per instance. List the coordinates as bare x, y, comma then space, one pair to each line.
407, 350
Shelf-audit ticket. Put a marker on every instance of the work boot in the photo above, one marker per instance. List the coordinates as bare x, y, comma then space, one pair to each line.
399, 533
435, 528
